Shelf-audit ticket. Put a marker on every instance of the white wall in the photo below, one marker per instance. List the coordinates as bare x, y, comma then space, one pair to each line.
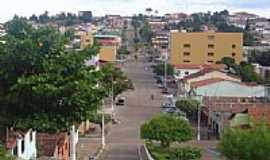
30, 150
181, 73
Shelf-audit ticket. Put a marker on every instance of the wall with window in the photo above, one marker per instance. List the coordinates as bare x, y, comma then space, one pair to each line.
204, 47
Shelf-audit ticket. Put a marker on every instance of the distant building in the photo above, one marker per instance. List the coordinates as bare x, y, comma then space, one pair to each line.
160, 40
85, 16
240, 19
204, 47
114, 21
109, 46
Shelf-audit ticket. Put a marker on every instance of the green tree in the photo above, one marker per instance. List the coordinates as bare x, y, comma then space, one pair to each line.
166, 129
247, 144
189, 106
122, 51
146, 32
4, 155
114, 77
43, 86
248, 74
159, 69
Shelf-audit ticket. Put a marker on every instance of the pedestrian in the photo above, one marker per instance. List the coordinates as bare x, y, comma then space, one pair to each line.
152, 96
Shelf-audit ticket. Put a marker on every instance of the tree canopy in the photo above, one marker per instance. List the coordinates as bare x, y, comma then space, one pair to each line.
43, 86
159, 69
167, 129
189, 106
247, 144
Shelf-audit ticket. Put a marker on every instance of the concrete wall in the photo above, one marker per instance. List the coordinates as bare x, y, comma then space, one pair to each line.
30, 150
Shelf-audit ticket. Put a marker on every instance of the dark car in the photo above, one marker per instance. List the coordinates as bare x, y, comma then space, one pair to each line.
165, 91
120, 101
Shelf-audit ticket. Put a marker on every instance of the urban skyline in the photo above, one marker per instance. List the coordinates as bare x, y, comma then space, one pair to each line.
129, 7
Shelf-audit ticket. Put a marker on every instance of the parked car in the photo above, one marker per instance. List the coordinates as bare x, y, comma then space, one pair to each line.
120, 101
165, 91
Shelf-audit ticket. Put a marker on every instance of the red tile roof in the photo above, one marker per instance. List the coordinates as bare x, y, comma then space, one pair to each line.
200, 66
206, 82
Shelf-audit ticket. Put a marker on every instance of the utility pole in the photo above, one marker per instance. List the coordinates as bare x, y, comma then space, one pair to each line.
103, 126
199, 123
112, 100
165, 69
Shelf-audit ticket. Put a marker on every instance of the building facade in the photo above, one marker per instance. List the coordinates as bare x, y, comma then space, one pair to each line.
204, 47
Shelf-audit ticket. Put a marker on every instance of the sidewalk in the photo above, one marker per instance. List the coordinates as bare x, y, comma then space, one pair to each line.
88, 145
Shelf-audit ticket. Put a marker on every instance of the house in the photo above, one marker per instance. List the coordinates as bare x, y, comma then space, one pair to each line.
204, 74
53, 146
227, 88
204, 47
21, 144
183, 70
217, 111
251, 116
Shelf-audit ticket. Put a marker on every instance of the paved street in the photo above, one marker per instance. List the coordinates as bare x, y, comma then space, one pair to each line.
124, 139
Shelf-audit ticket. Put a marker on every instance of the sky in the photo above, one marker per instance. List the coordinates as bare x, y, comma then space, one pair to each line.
8, 8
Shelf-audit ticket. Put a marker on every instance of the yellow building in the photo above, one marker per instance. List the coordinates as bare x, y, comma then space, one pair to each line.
109, 45
108, 53
204, 47
87, 39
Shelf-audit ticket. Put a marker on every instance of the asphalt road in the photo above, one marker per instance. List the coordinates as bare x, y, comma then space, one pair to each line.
124, 139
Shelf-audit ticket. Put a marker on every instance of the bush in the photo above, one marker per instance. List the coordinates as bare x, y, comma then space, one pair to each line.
185, 153
249, 144
167, 129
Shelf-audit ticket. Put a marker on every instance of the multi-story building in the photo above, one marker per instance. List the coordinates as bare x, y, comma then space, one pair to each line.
204, 47
108, 47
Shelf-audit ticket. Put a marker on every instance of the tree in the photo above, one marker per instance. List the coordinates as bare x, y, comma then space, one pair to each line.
159, 69
247, 144
123, 51
114, 77
4, 155
146, 32
185, 153
43, 86
166, 129
248, 74
33, 18
44, 18
189, 106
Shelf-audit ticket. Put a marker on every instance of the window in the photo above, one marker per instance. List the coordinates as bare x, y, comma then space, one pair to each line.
211, 54
211, 46
186, 73
186, 53
210, 61
186, 45
233, 54
186, 61
233, 46
88, 40
211, 37
23, 146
